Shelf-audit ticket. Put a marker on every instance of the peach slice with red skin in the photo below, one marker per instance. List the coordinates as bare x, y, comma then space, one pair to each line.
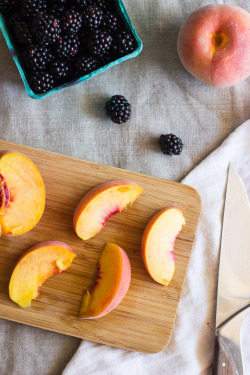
158, 243
100, 203
35, 266
22, 193
112, 283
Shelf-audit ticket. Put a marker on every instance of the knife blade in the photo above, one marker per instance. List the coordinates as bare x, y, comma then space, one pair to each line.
233, 293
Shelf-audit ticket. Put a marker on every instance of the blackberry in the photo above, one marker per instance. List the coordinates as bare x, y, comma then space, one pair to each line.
61, 69
41, 82
85, 65
57, 10
119, 109
46, 29
61, 1
105, 4
111, 21
71, 22
99, 43
31, 8
123, 44
12, 20
7, 5
92, 18
170, 144
105, 59
66, 46
22, 33
36, 57
83, 3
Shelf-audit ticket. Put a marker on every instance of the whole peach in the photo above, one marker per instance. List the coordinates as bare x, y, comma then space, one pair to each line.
214, 44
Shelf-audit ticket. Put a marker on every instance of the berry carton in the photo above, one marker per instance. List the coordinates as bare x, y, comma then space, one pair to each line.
30, 73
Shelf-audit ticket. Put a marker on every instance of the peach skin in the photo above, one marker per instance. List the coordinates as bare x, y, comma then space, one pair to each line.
22, 193
213, 44
112, 283
100, 203
35, 266
158, 242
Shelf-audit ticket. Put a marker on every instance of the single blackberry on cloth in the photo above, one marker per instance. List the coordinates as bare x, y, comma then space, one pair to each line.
66, 46
123, 44
71, 22
99, 43
92, 18
41, 82
85, 65
61, 69
118, 109
170, 144
37, 57
46, 28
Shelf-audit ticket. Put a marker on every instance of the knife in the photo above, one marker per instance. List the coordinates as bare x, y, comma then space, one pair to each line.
233, 294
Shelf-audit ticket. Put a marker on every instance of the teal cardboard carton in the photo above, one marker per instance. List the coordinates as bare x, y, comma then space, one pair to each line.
120, 8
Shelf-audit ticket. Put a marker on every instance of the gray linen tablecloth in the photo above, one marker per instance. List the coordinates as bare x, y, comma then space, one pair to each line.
164, 98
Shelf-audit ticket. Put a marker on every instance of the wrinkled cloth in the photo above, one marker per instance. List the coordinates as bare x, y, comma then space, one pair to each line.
191, 347
164, 98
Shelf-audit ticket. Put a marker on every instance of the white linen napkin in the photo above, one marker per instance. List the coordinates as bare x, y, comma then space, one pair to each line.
190, 350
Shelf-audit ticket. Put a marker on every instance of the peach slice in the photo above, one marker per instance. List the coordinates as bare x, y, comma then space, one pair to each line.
112, 283
100, 203
35, 266
158, 243
22, 193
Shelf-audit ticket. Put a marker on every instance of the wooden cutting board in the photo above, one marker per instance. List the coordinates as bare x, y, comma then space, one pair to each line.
144, 319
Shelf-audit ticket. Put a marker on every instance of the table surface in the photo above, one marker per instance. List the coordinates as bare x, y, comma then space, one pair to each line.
164, 99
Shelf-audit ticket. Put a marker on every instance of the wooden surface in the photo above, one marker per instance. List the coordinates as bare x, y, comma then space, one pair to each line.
144, 319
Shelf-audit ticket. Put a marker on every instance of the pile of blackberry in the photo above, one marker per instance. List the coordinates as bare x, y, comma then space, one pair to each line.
61, 40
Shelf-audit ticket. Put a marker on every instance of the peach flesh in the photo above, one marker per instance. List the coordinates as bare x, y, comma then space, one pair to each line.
35, 266
22, 193
213, 44
111, 285
158, 242
101, 202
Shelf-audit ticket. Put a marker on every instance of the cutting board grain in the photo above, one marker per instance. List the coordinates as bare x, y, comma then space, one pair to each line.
144, 319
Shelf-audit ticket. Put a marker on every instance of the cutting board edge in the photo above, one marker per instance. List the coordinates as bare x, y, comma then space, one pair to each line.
55, 154
132, 348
